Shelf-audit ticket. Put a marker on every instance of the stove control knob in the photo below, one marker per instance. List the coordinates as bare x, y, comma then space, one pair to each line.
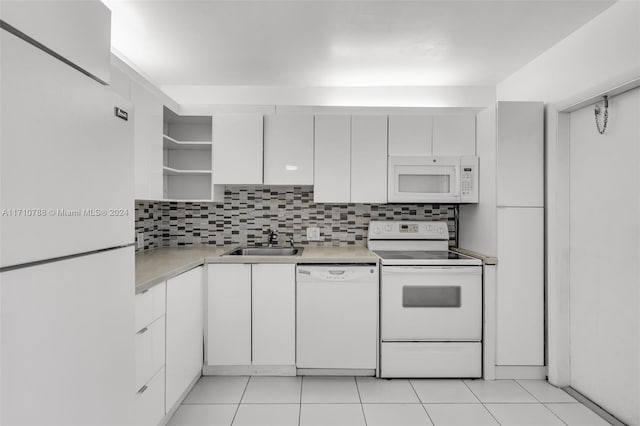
376, 230
388, 228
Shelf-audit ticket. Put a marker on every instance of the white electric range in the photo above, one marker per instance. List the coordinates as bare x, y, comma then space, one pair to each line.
431, 302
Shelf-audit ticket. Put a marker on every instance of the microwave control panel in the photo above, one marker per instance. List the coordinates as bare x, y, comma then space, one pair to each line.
469, 179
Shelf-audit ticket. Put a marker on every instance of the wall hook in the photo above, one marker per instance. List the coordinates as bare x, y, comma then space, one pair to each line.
605, 116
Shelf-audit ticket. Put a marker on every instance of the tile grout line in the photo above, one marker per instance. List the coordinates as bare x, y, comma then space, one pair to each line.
481, 402
541, 403
360, 398
421, 403
239, 402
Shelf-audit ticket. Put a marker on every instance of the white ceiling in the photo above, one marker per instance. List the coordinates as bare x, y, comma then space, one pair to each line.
340, 43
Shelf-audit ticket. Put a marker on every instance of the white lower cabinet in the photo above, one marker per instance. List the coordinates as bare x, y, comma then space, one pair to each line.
150, 401
273, 307
169, 343
150, 342
184, 333
520, 289
229, 314
251, 315
150, 347
150, 305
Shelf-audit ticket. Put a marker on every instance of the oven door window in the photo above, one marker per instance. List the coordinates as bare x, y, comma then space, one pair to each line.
424, 183
431, 297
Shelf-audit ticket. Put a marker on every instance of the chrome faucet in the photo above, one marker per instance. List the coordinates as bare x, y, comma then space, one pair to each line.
291, 240
273, 237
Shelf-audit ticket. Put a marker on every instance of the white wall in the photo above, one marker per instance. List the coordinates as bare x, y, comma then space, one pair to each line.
599, 57
602, 54
605, 245
433, 96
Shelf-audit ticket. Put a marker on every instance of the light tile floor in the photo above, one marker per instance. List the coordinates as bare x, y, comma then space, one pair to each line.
366, 401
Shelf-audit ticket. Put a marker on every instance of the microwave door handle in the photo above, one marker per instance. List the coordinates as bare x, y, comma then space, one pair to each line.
456, 176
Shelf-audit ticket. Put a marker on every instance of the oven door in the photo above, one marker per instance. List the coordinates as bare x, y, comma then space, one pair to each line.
431, 303
424, 179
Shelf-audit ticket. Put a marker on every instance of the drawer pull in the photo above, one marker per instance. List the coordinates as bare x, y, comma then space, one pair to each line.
142, 389
144, 330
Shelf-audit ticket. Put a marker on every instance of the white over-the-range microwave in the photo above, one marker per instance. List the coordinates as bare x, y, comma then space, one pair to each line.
433, 179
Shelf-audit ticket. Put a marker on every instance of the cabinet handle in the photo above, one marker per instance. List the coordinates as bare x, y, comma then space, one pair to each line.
142, 389
144, 330
144, 291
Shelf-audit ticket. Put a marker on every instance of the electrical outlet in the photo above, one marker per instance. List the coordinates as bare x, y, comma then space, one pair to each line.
313, 234
140, 240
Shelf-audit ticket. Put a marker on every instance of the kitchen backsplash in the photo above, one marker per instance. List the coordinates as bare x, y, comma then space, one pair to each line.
248, 212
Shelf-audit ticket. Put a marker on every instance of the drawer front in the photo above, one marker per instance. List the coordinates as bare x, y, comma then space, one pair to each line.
149, 351
150, 401
437, 359
150, 305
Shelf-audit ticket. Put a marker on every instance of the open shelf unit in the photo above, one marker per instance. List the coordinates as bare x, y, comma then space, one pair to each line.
186, 149
171, 143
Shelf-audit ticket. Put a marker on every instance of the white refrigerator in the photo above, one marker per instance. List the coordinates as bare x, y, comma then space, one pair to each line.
66, 243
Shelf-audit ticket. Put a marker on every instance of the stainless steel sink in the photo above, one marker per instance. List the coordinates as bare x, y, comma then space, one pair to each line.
265, 251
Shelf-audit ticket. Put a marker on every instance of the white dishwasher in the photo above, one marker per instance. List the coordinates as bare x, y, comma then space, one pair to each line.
337, 316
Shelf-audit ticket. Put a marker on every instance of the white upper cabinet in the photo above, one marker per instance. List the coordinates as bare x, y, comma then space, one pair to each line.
454, 135
410, 135
520, 154
288, 150
332, 171
147, 129
237, 149
79, 31
369, 159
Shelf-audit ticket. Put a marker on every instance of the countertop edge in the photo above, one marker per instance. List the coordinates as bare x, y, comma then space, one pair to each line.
146, 285
369, 258
487, 260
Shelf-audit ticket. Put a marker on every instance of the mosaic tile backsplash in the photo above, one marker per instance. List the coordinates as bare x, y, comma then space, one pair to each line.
248, 212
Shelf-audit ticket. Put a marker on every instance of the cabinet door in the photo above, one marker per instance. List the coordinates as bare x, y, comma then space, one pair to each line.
150, 401
229, 314
454, 135
150, 351
184, 338
147, 138
410, 135
369, 159
237, 149
520, 288
273, 298
288, 150
520, 154
332, 159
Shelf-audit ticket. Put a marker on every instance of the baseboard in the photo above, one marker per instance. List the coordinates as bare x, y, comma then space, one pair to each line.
175, 407
534, 372
362, 372
604, 414
249, 370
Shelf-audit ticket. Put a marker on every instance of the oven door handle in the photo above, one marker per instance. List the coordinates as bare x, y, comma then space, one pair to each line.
434, 270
